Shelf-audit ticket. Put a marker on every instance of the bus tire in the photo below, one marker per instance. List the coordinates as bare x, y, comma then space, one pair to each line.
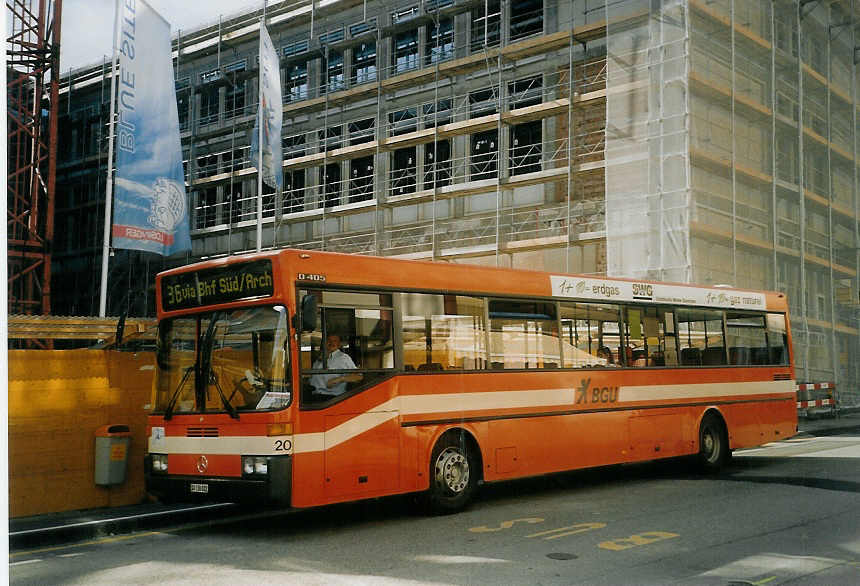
453, 474
714, 450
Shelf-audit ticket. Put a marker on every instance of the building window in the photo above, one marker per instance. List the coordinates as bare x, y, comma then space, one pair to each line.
486, 25
361, 179
483, 103
207, 165
526, 18
403, 171
209, 105
268, 201
333, 66
526, 148
403, 121
331, 138
437, 164
405, 53
206, 208
235, 100
484, 160
296, 83
525, 92
330, 179
233, 204
439, 113
294, 191
364, 63
293, 146
182, 101
440, 41
361, 131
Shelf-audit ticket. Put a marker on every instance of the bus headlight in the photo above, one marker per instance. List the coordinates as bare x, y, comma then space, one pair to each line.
159, 463
255, 465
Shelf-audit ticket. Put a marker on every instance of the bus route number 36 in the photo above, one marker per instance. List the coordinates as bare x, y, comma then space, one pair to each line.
283, 445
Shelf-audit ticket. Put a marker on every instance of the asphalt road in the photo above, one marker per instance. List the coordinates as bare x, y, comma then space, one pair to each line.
784, 513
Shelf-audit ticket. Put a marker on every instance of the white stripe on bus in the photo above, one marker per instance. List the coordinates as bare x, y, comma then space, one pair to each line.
456, 403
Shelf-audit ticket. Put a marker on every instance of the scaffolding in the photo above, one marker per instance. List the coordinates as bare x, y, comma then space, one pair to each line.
699, 141
32, 69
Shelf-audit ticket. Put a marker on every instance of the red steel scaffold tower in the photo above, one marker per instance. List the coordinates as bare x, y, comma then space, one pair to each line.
32, 88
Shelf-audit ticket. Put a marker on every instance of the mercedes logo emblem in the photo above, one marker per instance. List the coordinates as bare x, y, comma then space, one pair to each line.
202, 464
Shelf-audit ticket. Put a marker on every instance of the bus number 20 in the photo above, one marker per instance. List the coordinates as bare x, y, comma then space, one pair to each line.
284, 445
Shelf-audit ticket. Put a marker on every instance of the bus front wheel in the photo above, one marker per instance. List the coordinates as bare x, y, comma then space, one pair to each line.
714, 450
453, 474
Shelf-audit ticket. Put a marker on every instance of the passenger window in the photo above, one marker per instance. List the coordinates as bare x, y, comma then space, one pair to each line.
777, 338
351, 348
700, 337
590, 335
645, 330
523, 334
747, 339
443, 332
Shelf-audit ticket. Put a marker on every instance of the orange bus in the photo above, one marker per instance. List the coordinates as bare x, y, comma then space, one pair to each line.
307, 378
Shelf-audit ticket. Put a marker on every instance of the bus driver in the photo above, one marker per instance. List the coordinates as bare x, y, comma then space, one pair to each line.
332, 385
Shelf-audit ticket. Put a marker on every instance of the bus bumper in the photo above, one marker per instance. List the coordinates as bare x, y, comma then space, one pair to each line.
274, 488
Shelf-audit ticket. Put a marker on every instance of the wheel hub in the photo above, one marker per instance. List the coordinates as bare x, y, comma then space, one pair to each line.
709, 444
452, 470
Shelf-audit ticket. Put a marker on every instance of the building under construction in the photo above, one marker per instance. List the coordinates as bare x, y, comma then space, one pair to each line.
713, 142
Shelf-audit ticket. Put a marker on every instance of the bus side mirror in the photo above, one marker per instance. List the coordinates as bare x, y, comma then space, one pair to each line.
308, 321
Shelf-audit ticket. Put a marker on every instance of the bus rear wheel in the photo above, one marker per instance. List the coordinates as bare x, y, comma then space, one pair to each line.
714, 450
453, 475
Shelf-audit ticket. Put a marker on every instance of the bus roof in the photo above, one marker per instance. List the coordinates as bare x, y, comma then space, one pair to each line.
307, 267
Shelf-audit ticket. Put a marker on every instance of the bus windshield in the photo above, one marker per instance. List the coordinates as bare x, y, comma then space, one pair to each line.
226, 361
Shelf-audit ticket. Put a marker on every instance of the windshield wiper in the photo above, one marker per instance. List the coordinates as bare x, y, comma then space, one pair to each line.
168, 413
230, 409
206, 373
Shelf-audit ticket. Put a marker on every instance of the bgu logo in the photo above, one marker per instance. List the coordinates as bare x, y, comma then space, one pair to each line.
584, 395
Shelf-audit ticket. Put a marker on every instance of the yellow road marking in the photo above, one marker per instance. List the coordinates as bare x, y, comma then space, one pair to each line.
579, 528
636, 540
764, 581
505, 525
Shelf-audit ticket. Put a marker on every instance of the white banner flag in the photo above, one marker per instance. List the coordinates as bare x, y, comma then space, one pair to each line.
272, 112
151, 211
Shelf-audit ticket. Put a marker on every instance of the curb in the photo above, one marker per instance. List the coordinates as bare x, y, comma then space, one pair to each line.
57, 532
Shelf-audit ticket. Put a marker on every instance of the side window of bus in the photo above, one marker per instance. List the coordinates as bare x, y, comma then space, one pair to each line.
645, 335
523, 334
351, 348
756, 339
443, 332
700, 337
591, 335
777, 339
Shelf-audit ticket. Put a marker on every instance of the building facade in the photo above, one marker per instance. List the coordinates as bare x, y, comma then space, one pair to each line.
691, 141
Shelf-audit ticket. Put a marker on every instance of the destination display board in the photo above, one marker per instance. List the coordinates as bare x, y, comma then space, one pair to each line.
233, 282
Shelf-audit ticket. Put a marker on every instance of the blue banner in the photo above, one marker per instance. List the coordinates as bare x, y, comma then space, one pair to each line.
273, 114
150, 205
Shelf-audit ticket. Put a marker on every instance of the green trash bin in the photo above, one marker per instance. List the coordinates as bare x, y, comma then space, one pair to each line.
111, 453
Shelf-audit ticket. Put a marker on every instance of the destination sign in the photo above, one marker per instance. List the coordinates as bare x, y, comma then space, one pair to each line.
233, 282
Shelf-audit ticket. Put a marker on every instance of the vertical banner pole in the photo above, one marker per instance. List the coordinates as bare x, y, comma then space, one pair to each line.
109, 182
260, 136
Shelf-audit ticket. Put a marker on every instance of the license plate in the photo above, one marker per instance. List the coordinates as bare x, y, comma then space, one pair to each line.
200, 488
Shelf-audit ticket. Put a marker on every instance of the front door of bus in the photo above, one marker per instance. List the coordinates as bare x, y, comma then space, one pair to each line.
362, 451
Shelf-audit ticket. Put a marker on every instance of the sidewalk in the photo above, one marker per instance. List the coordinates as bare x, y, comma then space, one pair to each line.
65, 527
